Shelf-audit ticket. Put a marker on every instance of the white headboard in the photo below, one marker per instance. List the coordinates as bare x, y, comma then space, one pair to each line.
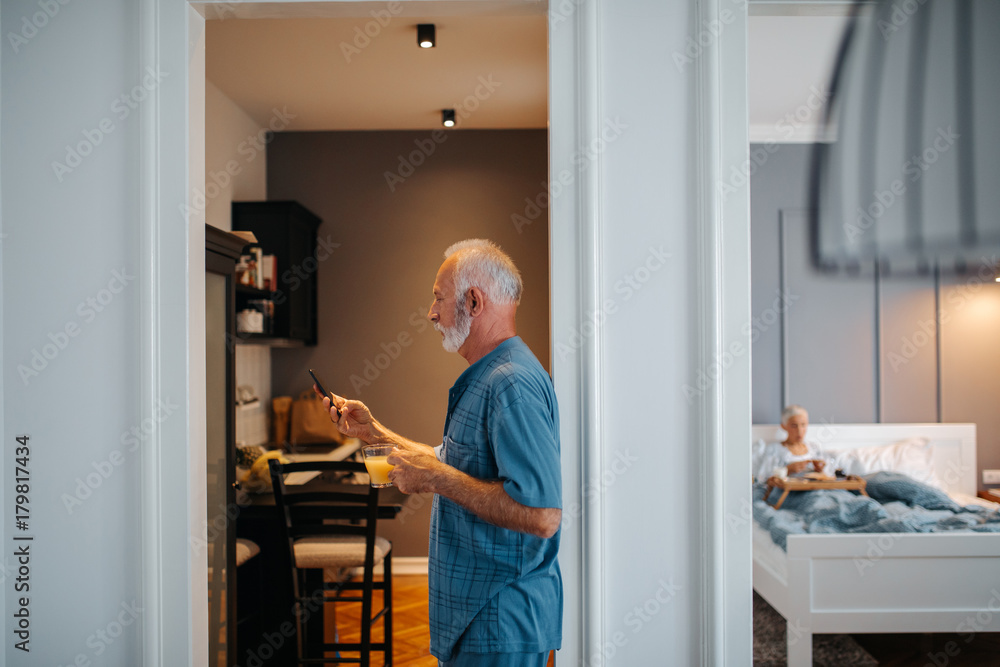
954, 445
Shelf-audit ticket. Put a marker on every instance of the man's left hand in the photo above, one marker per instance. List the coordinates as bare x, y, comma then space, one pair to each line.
416, 468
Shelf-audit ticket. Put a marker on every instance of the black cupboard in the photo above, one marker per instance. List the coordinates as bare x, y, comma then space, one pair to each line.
287, 230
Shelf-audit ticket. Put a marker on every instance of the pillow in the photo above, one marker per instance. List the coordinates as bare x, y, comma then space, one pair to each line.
912, 457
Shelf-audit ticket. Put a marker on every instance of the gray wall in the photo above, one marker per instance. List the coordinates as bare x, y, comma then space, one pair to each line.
374, 341
864, 348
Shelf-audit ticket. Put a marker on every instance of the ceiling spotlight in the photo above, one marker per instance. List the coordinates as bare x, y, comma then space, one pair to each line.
448, 117
425, 35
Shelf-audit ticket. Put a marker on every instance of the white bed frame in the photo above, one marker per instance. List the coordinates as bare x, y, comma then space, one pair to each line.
887, 582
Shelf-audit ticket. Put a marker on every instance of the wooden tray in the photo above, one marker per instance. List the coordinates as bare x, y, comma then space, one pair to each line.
850, 483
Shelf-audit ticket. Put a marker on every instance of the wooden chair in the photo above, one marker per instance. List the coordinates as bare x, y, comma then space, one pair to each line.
249, 582
334, 530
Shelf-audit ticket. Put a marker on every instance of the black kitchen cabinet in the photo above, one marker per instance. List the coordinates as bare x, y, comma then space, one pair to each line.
287, 230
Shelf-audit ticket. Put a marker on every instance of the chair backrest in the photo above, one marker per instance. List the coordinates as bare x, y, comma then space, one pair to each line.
306, 510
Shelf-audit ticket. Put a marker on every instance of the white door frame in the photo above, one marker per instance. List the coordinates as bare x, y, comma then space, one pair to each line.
172, 166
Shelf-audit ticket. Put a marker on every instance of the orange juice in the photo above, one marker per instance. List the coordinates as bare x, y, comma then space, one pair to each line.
378, 469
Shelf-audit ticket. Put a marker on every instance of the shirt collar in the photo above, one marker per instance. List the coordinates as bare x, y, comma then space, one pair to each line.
475, 369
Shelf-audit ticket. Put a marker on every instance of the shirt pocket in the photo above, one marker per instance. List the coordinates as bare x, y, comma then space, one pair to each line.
471, 457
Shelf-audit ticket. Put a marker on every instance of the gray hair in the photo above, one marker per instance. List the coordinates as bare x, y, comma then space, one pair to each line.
791, 411
482, 264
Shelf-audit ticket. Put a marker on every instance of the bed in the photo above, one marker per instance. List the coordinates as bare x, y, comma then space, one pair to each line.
884, 582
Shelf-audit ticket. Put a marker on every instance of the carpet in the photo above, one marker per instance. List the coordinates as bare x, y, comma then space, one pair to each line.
770, 648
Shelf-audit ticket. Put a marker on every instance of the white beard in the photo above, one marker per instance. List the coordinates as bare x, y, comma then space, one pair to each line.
455, 337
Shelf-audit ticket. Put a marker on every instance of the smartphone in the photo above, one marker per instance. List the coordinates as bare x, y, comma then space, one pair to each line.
319, 384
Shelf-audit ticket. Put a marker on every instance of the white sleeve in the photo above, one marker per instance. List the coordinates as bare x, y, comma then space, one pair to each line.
437, 451
773, 457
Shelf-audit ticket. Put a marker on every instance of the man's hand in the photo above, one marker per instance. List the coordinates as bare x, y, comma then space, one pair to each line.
353, 418
416, 469
819, 464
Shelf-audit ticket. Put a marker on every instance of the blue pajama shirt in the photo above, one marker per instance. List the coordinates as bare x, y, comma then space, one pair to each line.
498, 590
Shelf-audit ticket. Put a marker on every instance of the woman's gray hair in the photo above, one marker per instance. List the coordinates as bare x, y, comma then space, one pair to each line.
483, 264
791, 411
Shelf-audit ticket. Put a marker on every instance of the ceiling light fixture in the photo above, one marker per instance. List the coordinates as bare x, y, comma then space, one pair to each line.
425, 36
913, 173
448, 117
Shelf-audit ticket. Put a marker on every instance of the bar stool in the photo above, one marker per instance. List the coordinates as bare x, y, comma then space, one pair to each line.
334, 530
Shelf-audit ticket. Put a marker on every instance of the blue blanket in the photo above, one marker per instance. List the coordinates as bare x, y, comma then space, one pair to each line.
897, 504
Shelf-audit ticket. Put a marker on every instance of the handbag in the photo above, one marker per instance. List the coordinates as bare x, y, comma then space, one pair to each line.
311, 423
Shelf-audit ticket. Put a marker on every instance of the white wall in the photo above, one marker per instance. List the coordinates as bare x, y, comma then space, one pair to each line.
234, 169
654, 474
69, 238
661, 576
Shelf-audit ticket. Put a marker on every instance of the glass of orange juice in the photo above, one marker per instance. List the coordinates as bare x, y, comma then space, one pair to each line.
378, 467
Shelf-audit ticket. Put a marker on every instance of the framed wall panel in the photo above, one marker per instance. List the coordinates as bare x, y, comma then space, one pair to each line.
828, 319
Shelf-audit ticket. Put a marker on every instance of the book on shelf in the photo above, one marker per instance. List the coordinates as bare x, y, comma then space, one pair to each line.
269, 272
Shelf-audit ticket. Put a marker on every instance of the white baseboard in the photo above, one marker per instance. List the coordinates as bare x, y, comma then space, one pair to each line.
408, 565
403, 565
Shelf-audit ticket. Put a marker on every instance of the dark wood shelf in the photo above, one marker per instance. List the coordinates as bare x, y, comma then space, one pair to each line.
253, 291
265, 339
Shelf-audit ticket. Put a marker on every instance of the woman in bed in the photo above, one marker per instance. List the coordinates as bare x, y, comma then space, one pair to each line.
794, 454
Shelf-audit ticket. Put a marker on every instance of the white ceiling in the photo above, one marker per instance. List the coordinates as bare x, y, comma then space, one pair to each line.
790, 60
332, 79
333, 76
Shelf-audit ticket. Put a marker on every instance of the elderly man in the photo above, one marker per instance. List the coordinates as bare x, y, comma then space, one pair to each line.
495, 585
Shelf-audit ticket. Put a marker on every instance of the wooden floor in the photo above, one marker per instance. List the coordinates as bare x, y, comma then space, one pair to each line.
411, 631
412, 636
